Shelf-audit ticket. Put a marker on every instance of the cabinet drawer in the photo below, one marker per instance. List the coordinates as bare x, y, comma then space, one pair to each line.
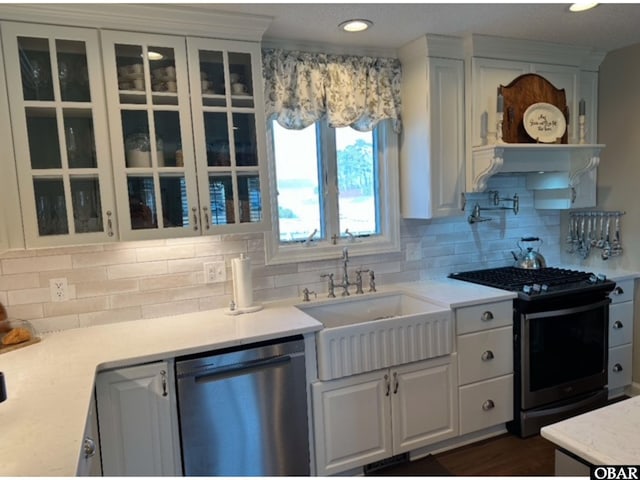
620, 323
620, 366
623, 292
486, 404
483, 317
484, 355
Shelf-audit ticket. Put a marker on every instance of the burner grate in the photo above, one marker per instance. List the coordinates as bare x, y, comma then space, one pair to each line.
514, 279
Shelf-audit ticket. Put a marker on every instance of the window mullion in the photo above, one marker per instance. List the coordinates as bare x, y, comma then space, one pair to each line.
330, 168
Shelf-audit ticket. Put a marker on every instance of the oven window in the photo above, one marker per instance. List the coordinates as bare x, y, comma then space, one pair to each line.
567, 347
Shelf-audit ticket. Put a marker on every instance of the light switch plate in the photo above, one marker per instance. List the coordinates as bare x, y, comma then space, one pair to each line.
215, 272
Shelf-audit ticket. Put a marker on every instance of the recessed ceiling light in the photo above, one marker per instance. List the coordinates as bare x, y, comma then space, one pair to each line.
355, 25
582, 6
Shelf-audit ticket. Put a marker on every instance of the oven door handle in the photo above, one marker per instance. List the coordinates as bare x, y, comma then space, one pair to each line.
567, 311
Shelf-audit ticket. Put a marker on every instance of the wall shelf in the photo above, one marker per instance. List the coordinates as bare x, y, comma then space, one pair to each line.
489, 160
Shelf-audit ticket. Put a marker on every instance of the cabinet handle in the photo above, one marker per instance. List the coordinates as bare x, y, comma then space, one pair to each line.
89, 447
206, 218
396, 384
488, 355
617, 291
163, 374
573, 195
195, 218
109, 224
488, 405
388, 385
617, 368
617, 324
463, 201
487, 316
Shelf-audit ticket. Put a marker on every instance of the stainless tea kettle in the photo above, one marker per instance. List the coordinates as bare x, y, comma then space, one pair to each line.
530, 259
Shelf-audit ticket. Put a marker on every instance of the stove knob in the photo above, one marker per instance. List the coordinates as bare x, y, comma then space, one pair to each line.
527, 289
593, 279
536, 288
601, 277
544, 288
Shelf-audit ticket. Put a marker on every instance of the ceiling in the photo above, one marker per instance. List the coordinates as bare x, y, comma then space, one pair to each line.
606, 27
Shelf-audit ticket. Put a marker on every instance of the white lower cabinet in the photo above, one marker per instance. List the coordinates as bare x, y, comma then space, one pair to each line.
620, 337
485, 365
137, 419
365, 418
89, 463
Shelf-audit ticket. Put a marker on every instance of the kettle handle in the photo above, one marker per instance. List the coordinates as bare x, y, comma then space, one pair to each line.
530, 239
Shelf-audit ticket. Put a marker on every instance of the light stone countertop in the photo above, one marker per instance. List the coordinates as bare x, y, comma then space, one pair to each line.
607, 436
50, 383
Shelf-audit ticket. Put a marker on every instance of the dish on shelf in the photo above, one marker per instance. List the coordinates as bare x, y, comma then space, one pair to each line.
241, 94
544, 122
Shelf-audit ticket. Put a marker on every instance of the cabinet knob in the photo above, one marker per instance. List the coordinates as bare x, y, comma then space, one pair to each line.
89, 447
488, 405
488, 355
487, 316
617, 324
617, 291
617, 368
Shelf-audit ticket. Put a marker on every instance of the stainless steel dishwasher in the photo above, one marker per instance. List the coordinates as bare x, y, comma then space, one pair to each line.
243, 411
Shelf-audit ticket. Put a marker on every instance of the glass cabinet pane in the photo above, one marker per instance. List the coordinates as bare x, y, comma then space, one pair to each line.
221, 199
44, 143
35, 67
168, 139
85, 195
244, 134
142, 202
79, 138
217, 138
212, 73
137, 143
51, 206
163, 71
240, 79
130, 68
73, 73
250, 198
175, 208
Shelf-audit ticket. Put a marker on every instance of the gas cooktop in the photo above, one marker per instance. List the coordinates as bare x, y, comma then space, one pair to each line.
534, 282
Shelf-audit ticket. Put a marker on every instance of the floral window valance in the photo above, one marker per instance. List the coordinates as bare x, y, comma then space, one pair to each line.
302, 88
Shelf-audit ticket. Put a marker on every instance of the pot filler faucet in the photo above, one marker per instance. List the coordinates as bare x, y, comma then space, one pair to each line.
331, 285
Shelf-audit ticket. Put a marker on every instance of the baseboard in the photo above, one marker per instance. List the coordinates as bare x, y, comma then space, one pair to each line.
633, 389
456, 442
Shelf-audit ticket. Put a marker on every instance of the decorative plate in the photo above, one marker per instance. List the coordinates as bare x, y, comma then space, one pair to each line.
544, 122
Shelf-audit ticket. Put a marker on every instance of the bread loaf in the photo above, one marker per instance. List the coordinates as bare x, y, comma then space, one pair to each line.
16, 335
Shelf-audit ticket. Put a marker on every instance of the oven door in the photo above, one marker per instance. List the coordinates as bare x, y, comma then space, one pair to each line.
564, 352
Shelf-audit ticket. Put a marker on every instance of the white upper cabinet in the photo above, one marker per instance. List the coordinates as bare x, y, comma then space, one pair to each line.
58, 121
432, 155
186, 134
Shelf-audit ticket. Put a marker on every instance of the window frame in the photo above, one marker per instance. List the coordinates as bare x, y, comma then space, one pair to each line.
387, 241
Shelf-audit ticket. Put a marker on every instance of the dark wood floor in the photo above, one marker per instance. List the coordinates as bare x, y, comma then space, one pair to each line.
504, 455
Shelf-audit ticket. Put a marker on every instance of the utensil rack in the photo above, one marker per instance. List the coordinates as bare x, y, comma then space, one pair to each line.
592, 229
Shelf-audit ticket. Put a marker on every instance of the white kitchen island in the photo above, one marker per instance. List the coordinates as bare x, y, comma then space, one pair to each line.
607, 436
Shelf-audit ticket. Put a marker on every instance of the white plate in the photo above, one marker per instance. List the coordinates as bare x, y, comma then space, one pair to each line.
544, 122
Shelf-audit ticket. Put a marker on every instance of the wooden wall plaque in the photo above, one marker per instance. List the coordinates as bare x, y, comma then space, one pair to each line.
523, 92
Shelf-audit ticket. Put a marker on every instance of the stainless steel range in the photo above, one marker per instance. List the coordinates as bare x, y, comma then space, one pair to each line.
560, 341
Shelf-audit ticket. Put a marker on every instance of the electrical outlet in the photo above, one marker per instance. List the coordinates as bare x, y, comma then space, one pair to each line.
215, 272
58, 289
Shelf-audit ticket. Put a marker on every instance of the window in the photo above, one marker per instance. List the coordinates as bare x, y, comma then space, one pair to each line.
333, 187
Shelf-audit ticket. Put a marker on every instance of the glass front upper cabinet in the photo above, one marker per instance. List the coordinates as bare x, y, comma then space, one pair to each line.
229, 134
150, 119
58, 115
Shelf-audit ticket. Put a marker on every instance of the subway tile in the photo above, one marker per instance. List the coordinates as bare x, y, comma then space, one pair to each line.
109, 316
164, 253
165, 296
76, 306
29, 295
55, 323
133, 270
191, 264
19, 281
168, 309
26, 311
35, 264
100, 288
75, 276
164, 282
117, 257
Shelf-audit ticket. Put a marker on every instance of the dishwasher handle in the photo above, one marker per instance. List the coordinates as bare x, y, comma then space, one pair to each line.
244, 368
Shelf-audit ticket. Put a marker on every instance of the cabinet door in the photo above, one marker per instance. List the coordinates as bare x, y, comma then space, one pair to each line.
135, 419
59, 130
229, 132
151, 136
352, 422
90, 463
424, 403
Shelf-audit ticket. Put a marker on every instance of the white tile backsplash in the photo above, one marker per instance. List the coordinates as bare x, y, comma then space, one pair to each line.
134, 280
